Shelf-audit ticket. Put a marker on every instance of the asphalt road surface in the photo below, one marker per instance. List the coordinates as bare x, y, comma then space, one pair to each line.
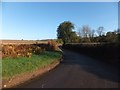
77, 71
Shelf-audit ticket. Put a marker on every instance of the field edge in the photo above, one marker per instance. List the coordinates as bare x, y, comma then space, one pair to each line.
31, 75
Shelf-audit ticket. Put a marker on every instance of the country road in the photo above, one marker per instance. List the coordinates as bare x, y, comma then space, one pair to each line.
77, 71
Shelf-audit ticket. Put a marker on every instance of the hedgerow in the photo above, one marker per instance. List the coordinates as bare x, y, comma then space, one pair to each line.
27, 50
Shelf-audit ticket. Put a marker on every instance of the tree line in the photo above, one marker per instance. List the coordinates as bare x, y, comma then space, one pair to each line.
66, 34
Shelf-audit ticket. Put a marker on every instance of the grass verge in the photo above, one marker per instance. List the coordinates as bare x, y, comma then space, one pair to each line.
12, 67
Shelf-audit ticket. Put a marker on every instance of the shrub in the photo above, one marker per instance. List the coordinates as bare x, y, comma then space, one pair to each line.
37, 50
15, 51
53, 45
26, 50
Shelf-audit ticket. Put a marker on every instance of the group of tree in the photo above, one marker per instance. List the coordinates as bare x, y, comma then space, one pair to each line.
66, 33
85, 34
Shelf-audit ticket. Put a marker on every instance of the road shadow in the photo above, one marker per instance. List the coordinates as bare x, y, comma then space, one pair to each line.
91, 65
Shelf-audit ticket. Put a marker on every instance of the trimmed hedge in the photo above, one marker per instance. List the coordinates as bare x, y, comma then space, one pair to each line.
105, 52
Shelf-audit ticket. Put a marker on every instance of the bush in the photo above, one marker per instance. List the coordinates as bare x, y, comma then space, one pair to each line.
52, 45
15, 51
21, 50
27, 50
36, 49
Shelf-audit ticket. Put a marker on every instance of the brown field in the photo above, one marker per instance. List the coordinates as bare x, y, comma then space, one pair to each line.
23, 41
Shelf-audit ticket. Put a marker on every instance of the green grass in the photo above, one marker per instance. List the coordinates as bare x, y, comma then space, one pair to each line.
12, 67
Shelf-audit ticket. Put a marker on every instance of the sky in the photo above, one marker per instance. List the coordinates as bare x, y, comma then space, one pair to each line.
39, 20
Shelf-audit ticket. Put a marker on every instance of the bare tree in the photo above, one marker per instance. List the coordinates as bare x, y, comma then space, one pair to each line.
93, 33
86, 31
100, 30
79, 32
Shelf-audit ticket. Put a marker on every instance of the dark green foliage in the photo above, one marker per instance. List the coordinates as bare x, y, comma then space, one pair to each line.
59, 41
119, 38
111, 37
74, 38
106, 52
86, 40
64, 31
85, 34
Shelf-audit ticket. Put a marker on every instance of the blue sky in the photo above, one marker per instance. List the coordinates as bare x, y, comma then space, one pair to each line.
40, 20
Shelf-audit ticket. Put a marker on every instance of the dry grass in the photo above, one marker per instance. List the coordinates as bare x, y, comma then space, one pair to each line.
23, 42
